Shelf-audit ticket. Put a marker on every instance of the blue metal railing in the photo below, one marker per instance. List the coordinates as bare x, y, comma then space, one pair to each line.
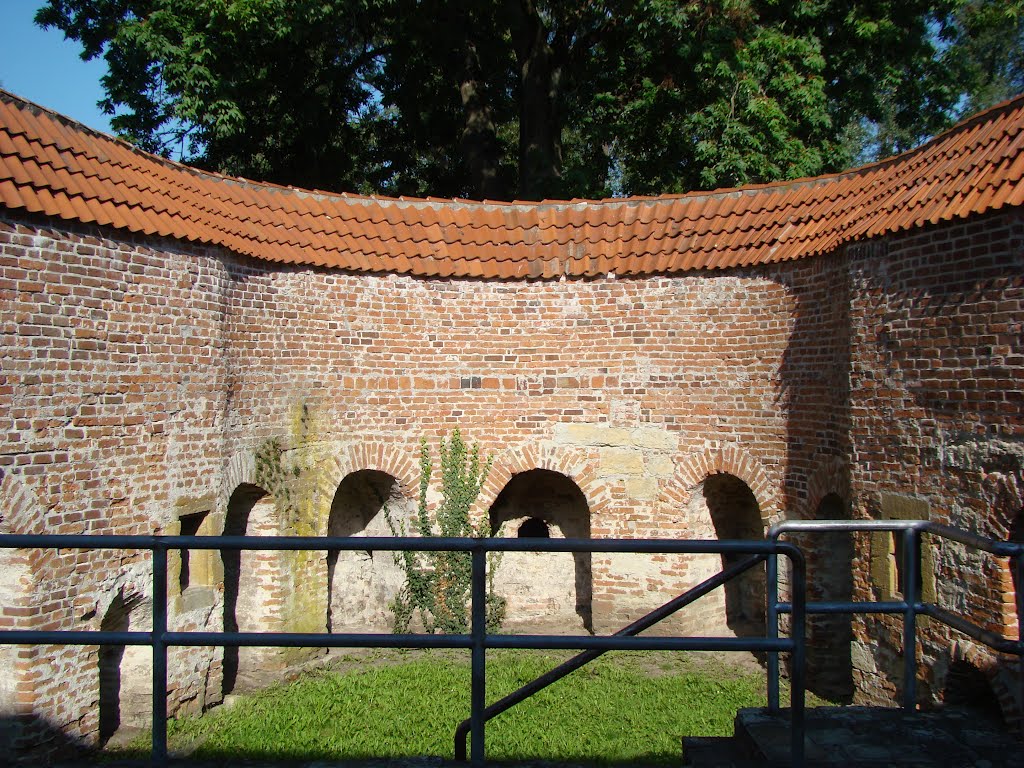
911, 605
478, 641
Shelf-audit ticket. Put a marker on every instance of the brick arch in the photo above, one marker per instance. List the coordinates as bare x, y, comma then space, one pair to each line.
1001, 678
19, 510
575, 464
18, 590
240, 470
831, 476
693, 468
376, 456
354, 457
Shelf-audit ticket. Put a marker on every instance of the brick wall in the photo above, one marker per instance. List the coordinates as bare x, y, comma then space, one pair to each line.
936, 420
146, 382
112, 400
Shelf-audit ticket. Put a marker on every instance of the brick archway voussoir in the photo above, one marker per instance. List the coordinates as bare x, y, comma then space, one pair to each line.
832, 476
574, 464
695, 467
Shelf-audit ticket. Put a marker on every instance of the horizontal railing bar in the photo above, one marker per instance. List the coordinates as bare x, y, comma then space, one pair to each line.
392, 543
985, 543
987, 637
322, 640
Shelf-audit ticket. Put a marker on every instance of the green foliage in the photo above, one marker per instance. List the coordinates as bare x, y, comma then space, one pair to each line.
541, 98
271, 474
635, 712
988, 49
437, 584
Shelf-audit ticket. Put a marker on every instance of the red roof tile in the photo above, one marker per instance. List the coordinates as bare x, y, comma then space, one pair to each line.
51, 165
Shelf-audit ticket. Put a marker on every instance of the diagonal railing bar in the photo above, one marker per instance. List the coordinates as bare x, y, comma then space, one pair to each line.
576, 662
160, 638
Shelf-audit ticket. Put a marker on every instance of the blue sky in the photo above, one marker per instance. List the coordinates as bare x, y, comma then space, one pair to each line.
43, 67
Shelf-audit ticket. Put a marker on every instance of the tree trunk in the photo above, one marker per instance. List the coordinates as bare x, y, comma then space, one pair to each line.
480, 148
540, 126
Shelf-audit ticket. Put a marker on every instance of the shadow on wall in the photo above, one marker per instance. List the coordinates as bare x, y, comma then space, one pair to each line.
249, 581
814, 392
361, 584
552, 589
724, 507
125, 672
34, 738
830, 578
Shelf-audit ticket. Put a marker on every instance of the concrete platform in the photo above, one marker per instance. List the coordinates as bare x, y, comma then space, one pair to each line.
862, 737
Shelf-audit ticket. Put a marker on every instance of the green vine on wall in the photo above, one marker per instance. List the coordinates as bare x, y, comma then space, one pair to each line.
437, 584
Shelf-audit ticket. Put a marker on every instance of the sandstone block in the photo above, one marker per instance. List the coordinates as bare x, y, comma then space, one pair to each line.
621, 461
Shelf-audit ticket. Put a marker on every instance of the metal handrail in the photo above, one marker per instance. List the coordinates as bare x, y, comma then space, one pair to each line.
478, 641
576, 662
911, 606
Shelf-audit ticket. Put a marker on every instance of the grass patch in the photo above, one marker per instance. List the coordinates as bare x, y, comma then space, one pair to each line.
625, 707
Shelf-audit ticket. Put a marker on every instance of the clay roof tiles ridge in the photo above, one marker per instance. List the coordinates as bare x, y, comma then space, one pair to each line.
51, 165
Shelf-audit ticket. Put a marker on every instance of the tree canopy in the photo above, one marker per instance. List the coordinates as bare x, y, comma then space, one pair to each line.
536, 99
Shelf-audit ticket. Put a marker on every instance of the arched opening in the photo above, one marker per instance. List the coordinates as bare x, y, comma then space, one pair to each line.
733, 512
534, 528
15, 597
544, 588
360, 583
125, 672
251, 580
969, 687
830, 578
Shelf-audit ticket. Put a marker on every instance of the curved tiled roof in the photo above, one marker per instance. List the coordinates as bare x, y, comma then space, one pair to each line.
54, 166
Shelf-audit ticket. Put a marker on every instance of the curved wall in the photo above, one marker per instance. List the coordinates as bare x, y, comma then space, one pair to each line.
144, 382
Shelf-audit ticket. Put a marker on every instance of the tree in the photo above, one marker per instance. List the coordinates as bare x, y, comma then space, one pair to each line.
536, 98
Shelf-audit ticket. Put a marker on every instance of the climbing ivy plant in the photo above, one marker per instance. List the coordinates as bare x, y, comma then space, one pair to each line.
437, 584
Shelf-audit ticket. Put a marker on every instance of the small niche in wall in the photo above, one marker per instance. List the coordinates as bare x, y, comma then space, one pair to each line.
887, 563
190, 525
534, 528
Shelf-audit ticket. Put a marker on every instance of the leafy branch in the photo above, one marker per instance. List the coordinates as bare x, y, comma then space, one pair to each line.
437, 584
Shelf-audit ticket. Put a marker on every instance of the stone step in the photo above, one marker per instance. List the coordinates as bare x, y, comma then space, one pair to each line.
716, 752
871, 737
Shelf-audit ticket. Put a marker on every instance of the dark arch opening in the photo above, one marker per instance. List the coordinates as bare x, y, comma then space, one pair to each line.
125, 698
534, 528
830, 578
110, 656
243, 590
736, 514
553, 587
361, 583
969, 687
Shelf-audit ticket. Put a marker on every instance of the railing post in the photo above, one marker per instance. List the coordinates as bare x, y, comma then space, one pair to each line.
797, 676
477, 696
159, 748
772, 608
911, 566
1019, 565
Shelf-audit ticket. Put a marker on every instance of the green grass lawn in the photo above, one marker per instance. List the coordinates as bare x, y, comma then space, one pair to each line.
624, 707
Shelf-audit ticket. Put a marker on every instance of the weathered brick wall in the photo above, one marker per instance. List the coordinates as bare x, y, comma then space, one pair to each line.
936, 421
635, 389
112, 399
147, 387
